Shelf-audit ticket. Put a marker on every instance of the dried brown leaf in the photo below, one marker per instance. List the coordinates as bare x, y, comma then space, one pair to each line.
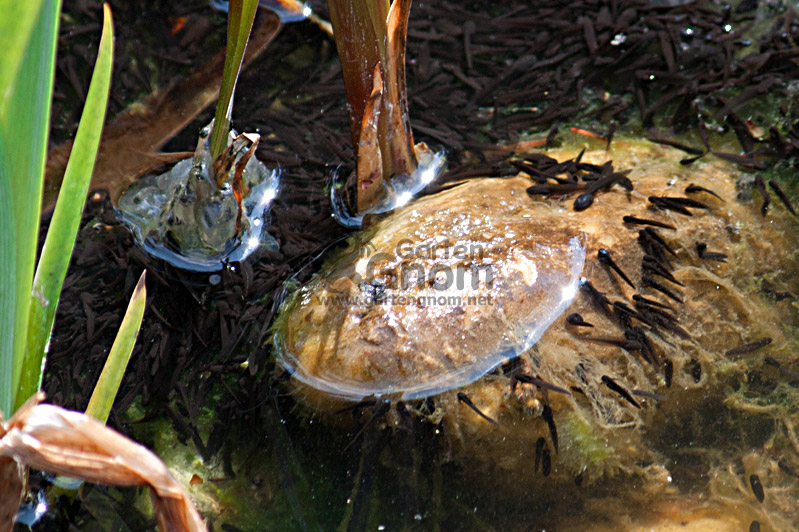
11, 491
69, 443
371, 38
400, 137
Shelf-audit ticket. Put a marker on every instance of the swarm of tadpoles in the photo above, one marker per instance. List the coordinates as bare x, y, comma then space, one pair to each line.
508, 382
506, 377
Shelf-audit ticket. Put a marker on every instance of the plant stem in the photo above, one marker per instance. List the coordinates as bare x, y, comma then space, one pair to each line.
370, 36
241, 14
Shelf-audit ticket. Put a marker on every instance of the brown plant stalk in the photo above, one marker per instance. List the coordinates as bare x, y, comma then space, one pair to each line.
370, 36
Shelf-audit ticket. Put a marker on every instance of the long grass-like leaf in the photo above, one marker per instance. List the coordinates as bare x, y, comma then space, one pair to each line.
66, 218
24, 121
8, 292
108, 384
241, 14
16, 30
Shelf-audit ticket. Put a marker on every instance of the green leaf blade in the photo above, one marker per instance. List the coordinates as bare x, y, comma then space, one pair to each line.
8, 291
64, 226
24, 127
241, 14
105, 391
16, 31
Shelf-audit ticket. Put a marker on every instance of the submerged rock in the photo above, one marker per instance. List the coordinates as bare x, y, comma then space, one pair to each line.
429, 303
523, 388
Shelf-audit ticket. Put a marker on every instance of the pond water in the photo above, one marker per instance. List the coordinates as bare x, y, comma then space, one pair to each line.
676, 410
641, 421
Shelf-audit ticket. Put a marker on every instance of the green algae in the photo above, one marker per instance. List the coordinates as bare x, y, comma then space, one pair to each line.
585, 448
256, 498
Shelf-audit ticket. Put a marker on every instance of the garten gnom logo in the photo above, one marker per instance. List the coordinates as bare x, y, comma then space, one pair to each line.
367, 250
459, 273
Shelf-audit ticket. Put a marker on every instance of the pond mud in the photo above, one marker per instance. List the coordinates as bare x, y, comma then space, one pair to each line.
593, 348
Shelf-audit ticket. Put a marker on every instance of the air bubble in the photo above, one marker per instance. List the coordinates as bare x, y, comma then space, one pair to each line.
399, 191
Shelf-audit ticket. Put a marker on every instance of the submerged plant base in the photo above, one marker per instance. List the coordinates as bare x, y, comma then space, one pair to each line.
585, 403
188, 219
399, 190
